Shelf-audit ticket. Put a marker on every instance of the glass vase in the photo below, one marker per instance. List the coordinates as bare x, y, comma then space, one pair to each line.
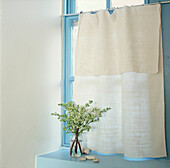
76, 145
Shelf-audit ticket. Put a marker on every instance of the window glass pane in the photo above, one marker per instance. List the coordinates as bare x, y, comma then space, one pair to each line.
88, 5
120, 3
74, 43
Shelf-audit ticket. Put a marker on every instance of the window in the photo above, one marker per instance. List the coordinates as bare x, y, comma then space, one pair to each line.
120, 3
70, 11
88, 5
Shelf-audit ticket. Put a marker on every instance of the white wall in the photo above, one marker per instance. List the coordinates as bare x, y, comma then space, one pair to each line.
31, 79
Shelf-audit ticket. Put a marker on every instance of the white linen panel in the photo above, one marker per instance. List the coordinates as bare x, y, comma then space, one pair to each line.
135, 124
121, 37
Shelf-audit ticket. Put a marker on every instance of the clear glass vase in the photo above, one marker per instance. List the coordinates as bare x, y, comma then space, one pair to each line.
76, 145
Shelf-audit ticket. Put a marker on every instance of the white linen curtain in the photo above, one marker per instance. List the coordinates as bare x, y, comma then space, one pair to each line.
129, 69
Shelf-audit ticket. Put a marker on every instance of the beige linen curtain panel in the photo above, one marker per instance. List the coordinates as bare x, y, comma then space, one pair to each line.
119, 64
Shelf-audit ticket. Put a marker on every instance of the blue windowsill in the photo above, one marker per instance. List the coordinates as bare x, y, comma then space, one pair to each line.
62, 159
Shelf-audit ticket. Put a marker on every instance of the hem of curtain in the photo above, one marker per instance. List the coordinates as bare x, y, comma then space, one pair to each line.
133, 157
156, 156
110, 74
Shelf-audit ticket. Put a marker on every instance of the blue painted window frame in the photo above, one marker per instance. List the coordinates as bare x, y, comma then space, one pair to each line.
68, 78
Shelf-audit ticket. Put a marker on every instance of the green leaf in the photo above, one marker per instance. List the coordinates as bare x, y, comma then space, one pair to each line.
79, 116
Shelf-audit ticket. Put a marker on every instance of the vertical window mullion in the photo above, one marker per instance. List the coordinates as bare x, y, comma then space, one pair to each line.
67, 67
71, 6
146, 1
108, 4
67, 71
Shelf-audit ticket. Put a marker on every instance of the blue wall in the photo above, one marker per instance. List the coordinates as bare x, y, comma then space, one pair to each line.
166, 54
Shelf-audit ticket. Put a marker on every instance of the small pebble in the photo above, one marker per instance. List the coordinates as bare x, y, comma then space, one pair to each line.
95, 160
90, 157
82, 158
86, 151
76, 156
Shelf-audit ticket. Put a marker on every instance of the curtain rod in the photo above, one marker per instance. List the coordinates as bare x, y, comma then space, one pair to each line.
75, 14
